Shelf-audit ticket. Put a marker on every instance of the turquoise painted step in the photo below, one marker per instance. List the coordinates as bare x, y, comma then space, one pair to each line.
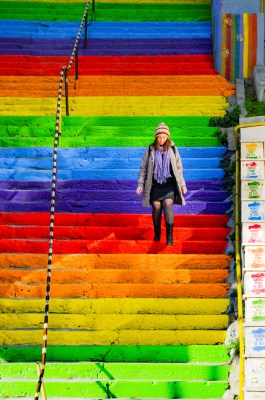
105, 152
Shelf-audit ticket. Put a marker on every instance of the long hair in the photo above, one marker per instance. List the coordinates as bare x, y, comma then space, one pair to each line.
166, 144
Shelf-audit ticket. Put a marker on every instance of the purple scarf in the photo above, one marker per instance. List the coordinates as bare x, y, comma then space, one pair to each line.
161, 169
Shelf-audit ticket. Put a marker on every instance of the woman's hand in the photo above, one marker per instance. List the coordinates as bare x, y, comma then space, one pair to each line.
184, 189
139, 190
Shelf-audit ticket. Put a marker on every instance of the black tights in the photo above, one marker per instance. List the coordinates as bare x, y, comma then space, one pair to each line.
158, 206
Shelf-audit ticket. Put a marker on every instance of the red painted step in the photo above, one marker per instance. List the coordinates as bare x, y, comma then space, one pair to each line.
108, 233
126, 220
109, 65
113, 247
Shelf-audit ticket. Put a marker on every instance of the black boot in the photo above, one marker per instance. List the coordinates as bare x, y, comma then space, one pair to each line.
169, 230
157, 230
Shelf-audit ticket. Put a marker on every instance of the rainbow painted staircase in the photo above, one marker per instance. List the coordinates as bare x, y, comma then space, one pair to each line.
129, 317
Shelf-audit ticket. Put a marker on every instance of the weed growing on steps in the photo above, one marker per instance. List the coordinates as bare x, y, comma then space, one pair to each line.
233, 347
228, 120
254, 108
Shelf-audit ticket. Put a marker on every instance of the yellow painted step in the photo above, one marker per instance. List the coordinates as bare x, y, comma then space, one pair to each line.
115, 321
118, 106
119, 306
110, 337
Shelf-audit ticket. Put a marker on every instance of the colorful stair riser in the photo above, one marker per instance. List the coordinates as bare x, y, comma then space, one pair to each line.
118, 180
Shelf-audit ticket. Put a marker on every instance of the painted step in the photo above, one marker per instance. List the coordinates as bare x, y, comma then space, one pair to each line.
123, 207
201, 64
144, 389
102, 322
99, 163
93, 121
102, 30
118, 353
126, 371
119, 173
108, 233
118, 105
113, 246
120, 306
117, 276
161, 85
107, 337
127, 220
107, 185
105, 132
97, 195
53, 11
107, 47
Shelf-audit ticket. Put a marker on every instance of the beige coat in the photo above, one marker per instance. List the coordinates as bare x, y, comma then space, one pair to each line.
145, 176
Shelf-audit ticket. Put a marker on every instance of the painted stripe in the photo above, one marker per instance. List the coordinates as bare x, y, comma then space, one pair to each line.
246, 44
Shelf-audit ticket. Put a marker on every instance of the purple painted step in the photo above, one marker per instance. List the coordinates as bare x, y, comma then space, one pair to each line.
146, 47
102, 185
72, 195
108, 207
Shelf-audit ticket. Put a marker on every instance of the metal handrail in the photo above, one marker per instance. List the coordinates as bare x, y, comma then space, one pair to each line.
63, 78
238, 260
75, 53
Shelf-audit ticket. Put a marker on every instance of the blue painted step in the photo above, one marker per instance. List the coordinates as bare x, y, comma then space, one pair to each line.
111, 30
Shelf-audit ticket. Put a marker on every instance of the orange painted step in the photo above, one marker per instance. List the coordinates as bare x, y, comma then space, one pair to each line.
113, 246
140, 220
105, 290
117, 261
88, 275
107, 85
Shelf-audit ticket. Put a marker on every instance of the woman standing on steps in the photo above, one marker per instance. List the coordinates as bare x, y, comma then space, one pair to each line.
161, 181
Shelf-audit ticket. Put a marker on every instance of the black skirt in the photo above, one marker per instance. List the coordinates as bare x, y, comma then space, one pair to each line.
163, 191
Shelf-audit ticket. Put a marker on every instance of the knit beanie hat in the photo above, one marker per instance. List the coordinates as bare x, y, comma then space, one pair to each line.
162, 128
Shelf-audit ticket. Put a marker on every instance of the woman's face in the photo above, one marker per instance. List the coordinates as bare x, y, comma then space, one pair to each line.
161, 139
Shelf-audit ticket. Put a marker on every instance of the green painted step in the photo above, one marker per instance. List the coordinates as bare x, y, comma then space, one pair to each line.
103, 131
117, 371
147, 122
87, 141
161, 354
114, 389
116, 11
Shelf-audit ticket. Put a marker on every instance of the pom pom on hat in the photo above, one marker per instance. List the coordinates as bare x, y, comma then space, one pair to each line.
162, 128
